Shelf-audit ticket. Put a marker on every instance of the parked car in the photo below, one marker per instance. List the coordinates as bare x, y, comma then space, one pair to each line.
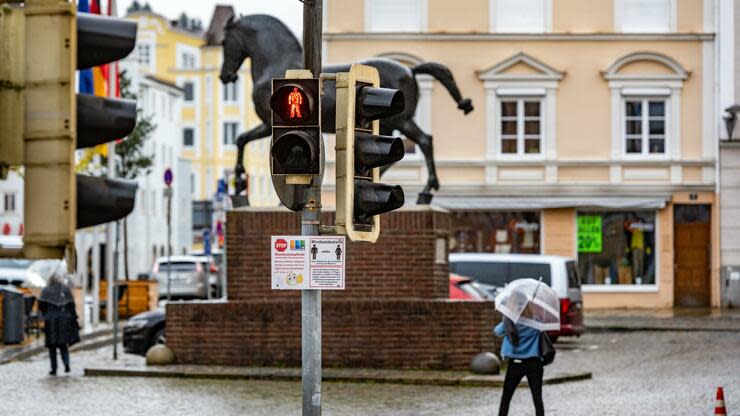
560, 273
214, 276
188, 277
13, 271
465, 288
144, 330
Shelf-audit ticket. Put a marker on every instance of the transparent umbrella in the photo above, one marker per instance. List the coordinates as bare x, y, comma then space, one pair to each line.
39, 273
530, 302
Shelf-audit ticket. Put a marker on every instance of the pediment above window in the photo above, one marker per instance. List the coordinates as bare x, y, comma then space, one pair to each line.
521, 67
645, 66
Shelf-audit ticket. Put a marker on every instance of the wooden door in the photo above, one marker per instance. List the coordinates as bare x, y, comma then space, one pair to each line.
691, 235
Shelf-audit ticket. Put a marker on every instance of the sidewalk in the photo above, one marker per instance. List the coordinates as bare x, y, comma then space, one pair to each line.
32, 345
676, 319
417, 377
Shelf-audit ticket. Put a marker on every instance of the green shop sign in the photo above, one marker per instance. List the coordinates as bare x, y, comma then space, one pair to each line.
589, 234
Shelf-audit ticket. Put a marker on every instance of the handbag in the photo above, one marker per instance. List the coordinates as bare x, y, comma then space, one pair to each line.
547, 350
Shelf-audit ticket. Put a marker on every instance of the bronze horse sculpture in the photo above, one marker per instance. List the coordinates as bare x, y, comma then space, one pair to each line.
273, 49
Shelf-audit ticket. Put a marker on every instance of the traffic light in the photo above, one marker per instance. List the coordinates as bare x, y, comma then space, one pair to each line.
361, 151
296, 151
49, 121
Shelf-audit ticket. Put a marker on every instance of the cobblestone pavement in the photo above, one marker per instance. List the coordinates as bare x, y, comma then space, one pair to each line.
638, 373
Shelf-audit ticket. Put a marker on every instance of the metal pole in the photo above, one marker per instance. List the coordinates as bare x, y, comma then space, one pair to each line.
115, 292
311, 299
169, 239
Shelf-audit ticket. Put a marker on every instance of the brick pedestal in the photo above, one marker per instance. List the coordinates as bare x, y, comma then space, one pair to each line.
393, 314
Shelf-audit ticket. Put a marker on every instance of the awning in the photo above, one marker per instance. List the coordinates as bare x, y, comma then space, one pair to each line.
519, 203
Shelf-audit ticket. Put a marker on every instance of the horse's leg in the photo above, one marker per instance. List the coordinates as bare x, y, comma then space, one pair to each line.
240, 183
424, 141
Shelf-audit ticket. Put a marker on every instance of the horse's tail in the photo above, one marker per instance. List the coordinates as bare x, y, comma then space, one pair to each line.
443, 75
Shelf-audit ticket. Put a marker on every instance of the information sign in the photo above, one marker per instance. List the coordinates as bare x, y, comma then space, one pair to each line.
589, 234
308, 262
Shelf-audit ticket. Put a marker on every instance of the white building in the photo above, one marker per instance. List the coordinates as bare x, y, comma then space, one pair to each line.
147, 223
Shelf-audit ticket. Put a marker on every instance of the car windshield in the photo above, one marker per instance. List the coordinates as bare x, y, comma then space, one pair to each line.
498, 273
178, 266
15, 263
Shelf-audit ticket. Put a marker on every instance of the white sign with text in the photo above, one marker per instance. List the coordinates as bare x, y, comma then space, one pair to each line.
308, 262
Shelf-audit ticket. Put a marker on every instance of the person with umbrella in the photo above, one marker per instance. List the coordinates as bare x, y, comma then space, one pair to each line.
529, 308
60, 319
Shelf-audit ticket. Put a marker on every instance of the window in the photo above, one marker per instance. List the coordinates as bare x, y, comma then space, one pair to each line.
143, 53
230, 129
522, 16
187, 60
520, 127
189, 88
644, 15
645, 126
617, 247
9, 202
495, 232
395, 15
192, 183
188, 137
498, 274
230, 92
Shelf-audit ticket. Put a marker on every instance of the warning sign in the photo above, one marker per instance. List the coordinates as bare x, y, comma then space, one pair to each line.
308, 262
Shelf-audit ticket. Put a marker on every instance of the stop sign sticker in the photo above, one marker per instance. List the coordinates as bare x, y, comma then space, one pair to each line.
281, 245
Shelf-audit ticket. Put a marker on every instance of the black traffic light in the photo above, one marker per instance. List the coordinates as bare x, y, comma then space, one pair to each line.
296, 131
101, 40
361, 151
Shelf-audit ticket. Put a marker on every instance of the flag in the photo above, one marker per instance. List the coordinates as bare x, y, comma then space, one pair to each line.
85, 83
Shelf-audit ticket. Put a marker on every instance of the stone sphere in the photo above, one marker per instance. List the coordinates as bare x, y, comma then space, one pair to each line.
160, 355
485, 363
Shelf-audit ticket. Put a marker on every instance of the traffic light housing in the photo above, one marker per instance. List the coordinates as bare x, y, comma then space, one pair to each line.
296, 150
361, 151
43, 121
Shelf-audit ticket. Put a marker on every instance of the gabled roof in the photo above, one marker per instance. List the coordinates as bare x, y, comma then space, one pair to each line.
215, 34
542, 71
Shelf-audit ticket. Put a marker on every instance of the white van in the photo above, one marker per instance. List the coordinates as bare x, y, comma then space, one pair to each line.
560, 273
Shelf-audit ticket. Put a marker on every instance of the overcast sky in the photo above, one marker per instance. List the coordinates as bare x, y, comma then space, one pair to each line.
289, 11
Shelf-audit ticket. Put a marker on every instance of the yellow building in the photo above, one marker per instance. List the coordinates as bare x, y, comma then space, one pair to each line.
594, 133
213, 115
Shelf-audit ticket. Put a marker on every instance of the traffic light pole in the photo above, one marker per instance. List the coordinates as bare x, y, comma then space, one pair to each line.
310, 215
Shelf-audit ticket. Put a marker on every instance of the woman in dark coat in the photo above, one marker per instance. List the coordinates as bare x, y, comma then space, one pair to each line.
60, 320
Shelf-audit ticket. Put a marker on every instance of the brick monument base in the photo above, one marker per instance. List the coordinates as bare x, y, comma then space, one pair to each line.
395, 312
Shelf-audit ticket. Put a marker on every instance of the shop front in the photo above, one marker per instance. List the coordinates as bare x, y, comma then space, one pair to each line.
632, 252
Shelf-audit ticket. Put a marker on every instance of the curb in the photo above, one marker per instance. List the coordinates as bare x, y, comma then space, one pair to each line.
30, 351
328, 376
645, 328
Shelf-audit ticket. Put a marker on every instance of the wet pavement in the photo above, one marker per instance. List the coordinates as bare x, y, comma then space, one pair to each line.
634, 373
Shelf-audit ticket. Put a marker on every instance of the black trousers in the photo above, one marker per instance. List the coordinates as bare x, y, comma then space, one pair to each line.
53, 356
530, 367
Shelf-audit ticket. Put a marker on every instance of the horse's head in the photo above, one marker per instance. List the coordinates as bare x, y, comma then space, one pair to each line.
234, 52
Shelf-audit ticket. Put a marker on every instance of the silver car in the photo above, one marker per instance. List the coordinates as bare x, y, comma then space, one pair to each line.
188, 278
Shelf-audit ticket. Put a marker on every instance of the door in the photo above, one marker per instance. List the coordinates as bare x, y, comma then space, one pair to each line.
691, 254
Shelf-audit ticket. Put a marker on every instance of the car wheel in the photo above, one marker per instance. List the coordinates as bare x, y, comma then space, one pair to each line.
159, 338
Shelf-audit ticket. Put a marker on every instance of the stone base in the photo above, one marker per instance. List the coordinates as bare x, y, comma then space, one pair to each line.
412, 333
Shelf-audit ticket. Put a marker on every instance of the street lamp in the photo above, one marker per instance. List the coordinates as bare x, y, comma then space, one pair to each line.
730, 118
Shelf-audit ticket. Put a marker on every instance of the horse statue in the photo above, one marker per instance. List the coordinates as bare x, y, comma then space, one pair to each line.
273, 49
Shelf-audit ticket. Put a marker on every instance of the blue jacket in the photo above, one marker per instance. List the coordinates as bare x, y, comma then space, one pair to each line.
529, 342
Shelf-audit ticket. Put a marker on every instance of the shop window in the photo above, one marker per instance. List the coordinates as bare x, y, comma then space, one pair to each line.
617, 248
495, 232
521, 126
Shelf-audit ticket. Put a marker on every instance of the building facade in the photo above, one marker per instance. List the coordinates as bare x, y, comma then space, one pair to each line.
212, 114
594, 133
160, 101
729, 152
